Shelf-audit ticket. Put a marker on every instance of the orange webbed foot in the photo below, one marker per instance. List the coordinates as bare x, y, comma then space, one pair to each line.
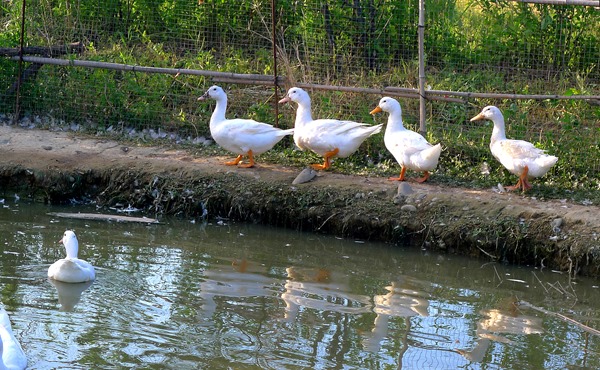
400, 177
326, 164
526, 185
319, 166
513, 187
235, 161
250, 160
522, 184
421, 180
519, 185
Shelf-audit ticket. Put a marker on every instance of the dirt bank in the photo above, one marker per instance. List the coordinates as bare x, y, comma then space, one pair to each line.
55, 166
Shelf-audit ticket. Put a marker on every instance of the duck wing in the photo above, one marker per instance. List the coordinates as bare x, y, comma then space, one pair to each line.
257, 128
518, 149
337, 127
408, 142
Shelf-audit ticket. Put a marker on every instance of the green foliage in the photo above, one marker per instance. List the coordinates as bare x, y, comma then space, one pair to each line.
512, 27
471, 45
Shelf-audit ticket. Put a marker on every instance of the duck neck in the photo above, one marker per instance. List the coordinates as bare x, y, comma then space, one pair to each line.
498, 133
394, 122
218, 114
72, 248
303, 114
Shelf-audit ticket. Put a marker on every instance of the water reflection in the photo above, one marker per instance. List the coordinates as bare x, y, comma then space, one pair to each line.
235, 280
400, 300
185, 295
69, 294
322, 290
496, 321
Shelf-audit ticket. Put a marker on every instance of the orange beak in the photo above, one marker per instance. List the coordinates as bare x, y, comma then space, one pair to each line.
477, 117
376, 110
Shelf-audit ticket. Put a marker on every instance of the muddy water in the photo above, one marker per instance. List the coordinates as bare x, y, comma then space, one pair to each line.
219, 295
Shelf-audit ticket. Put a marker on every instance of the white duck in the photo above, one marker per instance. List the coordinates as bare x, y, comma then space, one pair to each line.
71, 269
411, 150
326, 137
519, 157
12, 356
240, 136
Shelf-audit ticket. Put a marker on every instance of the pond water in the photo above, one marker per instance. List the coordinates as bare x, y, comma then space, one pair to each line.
219, 295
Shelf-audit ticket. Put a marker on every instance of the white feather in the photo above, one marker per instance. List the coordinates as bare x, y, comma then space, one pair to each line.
325, 135
12, 356
515, 155
409, 148
71, 269
240, 135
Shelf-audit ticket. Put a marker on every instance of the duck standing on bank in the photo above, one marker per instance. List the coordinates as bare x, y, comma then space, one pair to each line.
411, 149
12, 356
71, 269
328, 138
519, 157
240, 136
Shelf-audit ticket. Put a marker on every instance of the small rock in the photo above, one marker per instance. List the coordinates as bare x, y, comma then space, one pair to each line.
306, 175
408, 208
420, 197
199, 140
556, 224
485, 169
382, 193
405, 189
47, 147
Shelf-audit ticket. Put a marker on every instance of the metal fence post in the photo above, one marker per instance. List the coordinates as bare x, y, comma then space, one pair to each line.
20, 67
273, 27
422, 100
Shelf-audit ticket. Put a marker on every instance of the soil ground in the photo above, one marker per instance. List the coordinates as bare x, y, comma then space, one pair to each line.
507, 227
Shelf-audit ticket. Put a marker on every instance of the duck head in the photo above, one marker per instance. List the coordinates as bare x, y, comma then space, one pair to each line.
387, 104
297, 95
214, 92
490, 112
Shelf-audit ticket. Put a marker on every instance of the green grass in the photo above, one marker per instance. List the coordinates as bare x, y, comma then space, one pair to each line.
100, 99
567, 129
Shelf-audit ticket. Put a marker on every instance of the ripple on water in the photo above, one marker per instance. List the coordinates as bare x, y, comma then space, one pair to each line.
185, 297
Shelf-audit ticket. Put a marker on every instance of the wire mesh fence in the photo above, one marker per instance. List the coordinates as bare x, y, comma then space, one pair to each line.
136, 67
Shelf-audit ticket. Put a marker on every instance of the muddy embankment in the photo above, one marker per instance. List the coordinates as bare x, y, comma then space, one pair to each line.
55, 167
